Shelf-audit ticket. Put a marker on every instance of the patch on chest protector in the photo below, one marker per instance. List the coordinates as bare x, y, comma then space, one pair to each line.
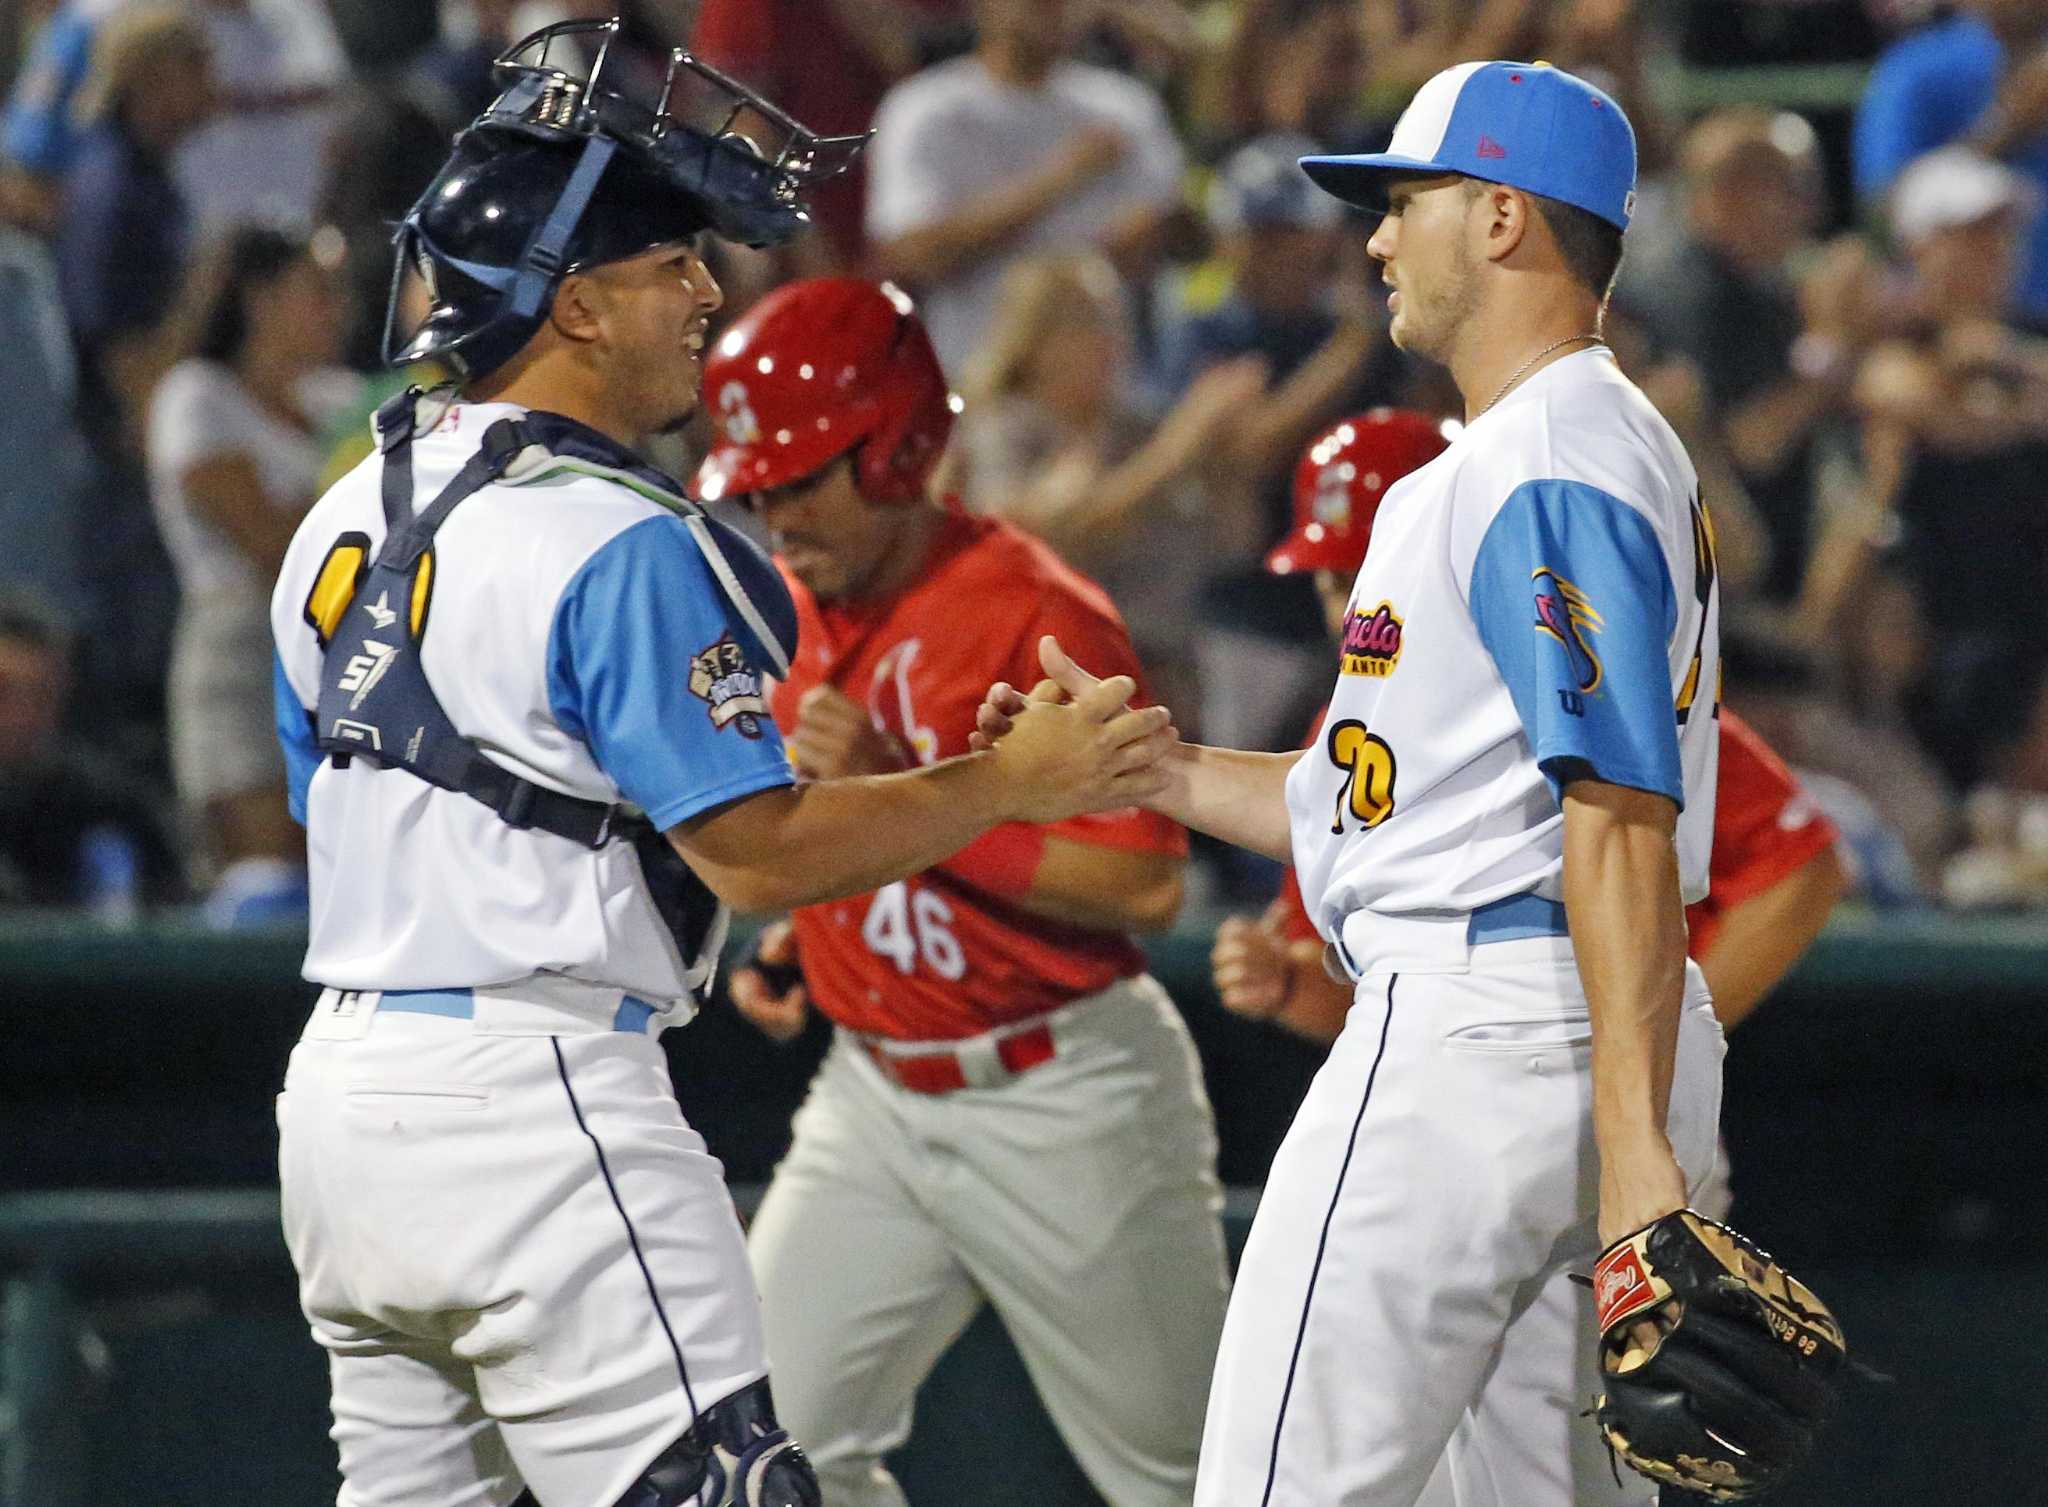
729, 687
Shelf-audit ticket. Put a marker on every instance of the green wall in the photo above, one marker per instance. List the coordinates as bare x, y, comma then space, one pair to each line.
1887, 1115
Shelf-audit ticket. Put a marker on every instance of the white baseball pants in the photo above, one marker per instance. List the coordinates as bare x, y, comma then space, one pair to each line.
1402, 1294
523, 1264
1080, 1198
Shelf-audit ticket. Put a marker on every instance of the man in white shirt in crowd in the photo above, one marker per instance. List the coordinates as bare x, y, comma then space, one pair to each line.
1012, 150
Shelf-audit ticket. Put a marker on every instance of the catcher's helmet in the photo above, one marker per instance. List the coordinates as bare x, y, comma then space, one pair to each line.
560, 173
815, 369
1340, 480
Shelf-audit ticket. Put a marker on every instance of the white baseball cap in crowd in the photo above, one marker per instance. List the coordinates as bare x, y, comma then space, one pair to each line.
1258, 186
1954, 186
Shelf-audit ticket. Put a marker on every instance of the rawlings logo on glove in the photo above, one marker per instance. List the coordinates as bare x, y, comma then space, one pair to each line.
1619, 1286
1743, 1369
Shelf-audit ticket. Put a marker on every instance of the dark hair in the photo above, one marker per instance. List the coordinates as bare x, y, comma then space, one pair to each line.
1590, 246
249, 257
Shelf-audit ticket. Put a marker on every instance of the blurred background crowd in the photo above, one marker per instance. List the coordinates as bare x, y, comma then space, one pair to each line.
1836, 289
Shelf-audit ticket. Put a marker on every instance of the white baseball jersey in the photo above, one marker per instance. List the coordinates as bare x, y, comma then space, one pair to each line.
569, 618
1538, 604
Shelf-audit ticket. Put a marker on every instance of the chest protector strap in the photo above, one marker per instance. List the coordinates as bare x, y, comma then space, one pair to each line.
375, 702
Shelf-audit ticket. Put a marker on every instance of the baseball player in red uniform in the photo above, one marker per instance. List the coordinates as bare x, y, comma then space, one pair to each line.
1011, 1110
1774, 874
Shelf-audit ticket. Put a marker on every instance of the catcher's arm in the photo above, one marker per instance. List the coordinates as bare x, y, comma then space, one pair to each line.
1627, 923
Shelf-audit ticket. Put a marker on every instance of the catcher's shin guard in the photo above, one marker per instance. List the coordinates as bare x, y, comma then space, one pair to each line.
734, 1455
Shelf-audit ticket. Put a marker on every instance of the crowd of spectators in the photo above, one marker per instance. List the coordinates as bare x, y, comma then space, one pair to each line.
1146, 308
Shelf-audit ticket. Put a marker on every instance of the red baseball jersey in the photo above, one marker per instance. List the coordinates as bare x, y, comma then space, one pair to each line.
1765, 827
933, 958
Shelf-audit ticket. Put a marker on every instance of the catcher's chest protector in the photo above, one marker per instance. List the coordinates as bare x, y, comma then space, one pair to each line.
377, 705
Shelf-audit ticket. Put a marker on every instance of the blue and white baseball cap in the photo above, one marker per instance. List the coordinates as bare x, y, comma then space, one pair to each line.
1527, 125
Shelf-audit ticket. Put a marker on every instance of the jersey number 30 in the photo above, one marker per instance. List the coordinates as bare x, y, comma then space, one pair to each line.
1367, 795
903, 927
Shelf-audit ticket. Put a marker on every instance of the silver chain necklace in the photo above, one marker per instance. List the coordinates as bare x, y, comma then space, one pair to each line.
1523, 370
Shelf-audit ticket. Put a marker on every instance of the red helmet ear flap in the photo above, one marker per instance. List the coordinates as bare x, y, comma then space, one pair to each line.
898, 456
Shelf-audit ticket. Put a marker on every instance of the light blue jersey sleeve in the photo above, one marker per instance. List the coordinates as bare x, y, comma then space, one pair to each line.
646, 667
1574, 601
295, 735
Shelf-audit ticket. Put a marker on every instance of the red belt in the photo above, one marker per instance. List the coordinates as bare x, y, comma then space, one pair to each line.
940, 1071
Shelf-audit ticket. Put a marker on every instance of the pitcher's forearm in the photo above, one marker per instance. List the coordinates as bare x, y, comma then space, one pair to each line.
1628, 933
1232, 794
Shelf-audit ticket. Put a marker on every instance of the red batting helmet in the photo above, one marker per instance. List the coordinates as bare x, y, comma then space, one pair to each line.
1340, 480
814, 370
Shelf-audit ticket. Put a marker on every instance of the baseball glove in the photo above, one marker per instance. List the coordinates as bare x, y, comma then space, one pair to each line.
1744, 1367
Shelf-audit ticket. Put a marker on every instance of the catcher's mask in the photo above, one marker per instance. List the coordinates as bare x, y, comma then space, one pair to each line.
561, 173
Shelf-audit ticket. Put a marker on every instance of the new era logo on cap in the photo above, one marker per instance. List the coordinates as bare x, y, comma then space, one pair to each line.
1527, 125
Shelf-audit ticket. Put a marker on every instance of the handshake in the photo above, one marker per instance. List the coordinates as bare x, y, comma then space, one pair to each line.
1073, 744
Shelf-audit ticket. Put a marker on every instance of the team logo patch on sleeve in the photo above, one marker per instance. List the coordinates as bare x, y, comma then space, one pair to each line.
1563, 612
729, 687
1372, 642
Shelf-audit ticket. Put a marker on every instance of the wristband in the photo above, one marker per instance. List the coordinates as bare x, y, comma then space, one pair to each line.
1003, 860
